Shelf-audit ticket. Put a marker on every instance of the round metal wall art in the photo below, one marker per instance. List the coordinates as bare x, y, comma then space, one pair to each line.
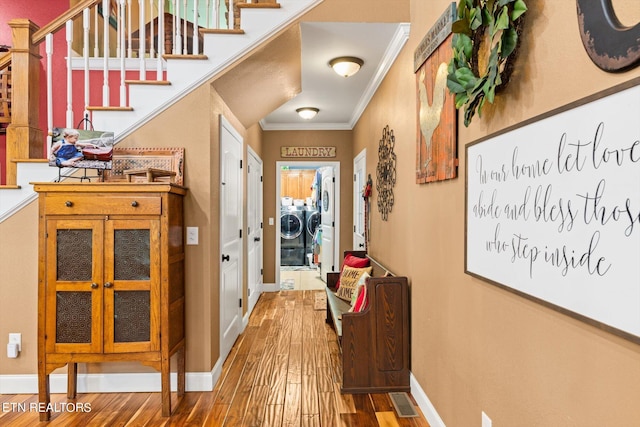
386, 172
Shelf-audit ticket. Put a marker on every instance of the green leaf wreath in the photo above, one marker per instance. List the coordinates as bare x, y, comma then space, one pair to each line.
502, 19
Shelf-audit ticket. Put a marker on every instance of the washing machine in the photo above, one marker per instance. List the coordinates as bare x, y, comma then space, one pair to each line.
292, 236
311, 223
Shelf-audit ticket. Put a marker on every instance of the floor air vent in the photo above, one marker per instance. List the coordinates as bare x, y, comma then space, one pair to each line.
404, 406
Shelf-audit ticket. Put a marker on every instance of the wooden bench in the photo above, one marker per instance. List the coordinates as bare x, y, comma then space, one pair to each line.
375, 343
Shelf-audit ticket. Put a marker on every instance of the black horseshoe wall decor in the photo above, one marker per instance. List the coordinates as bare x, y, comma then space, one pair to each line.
610, 45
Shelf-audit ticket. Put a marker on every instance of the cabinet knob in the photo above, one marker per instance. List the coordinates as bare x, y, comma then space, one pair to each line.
225, 258
108, 285
134, 204
94, 286
68, 203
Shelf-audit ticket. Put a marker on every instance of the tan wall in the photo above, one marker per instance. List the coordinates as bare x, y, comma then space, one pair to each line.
272, 141
360, 11
19, 289
476, 347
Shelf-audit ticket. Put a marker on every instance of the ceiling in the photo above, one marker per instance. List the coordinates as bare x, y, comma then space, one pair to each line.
341, 100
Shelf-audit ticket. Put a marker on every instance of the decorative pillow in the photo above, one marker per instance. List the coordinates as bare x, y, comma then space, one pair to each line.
352, 261
361, 282
349, 279
362, 302
360, 290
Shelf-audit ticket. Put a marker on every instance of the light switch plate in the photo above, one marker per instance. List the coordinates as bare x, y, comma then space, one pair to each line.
192, 235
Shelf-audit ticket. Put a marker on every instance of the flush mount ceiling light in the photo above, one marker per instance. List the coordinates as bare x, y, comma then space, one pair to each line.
307, 113
346, 66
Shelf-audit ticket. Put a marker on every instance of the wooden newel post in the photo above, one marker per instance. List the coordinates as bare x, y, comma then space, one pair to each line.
24, 139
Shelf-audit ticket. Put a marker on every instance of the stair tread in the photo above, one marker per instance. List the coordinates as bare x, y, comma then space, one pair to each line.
221, 31
148, 82
172, 56
30, 160
99, 108
258, 5
9, 187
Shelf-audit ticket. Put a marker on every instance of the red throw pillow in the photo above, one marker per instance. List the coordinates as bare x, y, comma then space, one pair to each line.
352, 261
362, 302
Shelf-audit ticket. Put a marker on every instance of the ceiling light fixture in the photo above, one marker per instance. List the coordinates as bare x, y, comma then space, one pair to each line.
307, 113
346, 66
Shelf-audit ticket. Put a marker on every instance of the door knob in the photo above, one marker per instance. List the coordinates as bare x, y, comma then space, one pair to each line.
225, 258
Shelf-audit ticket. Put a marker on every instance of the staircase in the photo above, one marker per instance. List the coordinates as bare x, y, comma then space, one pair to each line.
260, 22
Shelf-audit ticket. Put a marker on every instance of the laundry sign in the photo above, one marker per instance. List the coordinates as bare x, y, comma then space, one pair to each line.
315, 152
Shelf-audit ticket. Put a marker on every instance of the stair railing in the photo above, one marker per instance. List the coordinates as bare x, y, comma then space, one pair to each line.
105, 37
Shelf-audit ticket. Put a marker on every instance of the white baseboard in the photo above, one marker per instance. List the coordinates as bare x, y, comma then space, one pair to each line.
425, 404
271, 287
111, 383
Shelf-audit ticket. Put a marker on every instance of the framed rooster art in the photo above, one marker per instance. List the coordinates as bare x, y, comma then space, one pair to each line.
436, 142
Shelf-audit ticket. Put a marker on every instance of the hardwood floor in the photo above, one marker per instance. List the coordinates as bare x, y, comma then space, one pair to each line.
284, 370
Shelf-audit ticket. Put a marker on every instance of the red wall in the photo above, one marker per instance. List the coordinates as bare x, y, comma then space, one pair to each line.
41, 12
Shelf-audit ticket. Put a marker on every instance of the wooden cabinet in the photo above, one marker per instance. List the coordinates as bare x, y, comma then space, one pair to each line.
297, 183
111, 279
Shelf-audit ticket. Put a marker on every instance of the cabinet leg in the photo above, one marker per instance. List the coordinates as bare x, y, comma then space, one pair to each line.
166, 387
181, 370
72, 380
43, 396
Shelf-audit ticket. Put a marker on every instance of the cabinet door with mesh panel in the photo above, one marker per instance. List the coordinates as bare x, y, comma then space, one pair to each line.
74, 286
132, 285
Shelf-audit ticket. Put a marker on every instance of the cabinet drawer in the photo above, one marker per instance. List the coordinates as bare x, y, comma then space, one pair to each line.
82, 204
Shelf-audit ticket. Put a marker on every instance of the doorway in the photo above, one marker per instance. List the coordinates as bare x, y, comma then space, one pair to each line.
297, 258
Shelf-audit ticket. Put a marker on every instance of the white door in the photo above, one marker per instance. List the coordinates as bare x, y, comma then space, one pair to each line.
254, 228
230, 236
327, 210
359, 181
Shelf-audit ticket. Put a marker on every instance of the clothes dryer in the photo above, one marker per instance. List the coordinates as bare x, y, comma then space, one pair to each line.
311, 223
292, 236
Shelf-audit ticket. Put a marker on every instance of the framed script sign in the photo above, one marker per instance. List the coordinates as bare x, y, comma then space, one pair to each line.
553, 210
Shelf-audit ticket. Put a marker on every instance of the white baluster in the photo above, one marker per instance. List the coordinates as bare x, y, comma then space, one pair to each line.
231, 23
69, 39
105, 53
128, 14
123, 88
177, 46
142, 41
86, 22
49, 52
119, 27
196, 32
216, 14
96, 31
152, 49
208, 9
159, 73
186, 35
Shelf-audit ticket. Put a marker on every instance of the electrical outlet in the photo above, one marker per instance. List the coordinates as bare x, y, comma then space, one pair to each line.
16, 338
486, 421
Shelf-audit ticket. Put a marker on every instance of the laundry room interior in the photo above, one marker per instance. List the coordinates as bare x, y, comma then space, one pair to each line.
306, 238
